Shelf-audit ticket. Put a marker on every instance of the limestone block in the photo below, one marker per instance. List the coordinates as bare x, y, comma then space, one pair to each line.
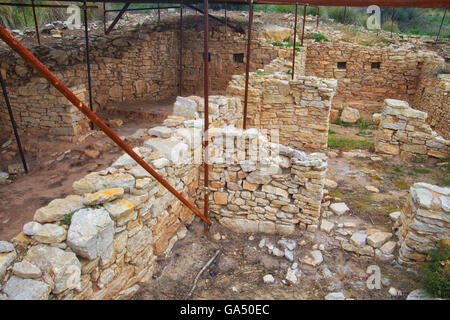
58, 208
91, 233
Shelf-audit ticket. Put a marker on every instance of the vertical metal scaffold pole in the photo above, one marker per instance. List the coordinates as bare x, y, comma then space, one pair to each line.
206, 97
180, 93
317, 18
295, 41
304, 22
88, 61
440, 27
247, 66
392, 20
13, 122
104, 16
36, 23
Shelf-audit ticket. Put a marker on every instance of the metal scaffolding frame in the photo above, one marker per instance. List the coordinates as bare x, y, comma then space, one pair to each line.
87, 111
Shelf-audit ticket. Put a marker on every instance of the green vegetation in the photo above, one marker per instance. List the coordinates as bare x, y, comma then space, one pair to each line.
66, 219
317, 36
331, 131
364, 133
262, 73
365, 124
341, 143
388, 26
339, 122
436, 272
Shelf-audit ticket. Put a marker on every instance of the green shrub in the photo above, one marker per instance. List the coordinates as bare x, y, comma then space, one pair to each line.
318, 37
337, 13
436, 272
387, 27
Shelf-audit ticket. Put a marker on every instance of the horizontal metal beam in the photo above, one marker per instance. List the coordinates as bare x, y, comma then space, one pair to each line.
213, 17
323, 3
9, 4
142, 9
32, 61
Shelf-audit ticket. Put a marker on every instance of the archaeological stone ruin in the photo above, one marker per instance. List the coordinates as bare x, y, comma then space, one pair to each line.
312, 162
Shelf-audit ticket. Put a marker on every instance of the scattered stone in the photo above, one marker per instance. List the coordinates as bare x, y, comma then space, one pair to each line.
16, 168
116, 123
314, 258
217, 237
377, 239
326, 226
420, 294
292, 273
277, 252
160, 132
4, 178
335, 296
26, 289
288, 244
93, 154
395, 215
350, 115
372, 189
26, 270
339, 208
393, 291
289, 255
268, 279
330, 184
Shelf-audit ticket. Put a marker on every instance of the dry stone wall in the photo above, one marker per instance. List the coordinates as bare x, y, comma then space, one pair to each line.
367, 74
103, 240
128, 67
276, 191
299, 108
403, 131
425, 221
433, 96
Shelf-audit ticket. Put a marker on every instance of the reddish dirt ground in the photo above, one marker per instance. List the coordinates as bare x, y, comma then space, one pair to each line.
45, 182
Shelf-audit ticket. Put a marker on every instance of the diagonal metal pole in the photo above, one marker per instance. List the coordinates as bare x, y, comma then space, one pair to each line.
36, 23
88, 62
55, 82
206, 103
295, 41
440, 27
119, 15
13, 122
247, 66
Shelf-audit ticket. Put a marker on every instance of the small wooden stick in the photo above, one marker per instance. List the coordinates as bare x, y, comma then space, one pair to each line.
200, 273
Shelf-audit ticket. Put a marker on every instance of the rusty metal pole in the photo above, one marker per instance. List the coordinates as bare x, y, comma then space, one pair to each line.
181, 52
440, 27
88, 62
36, 23
317, 18
247, 66
206, 103
304, 22
295, 41
13, 122
392, 21
55, 82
